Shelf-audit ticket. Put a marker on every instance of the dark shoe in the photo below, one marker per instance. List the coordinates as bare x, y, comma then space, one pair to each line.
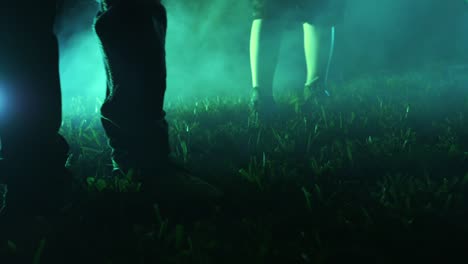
173, 183
31, 194
262, 104
176, 183
315, 90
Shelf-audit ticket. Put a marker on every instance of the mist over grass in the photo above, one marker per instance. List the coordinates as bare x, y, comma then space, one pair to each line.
208, 45
83, 75
376, 173
381, 166
207, 48
81, 66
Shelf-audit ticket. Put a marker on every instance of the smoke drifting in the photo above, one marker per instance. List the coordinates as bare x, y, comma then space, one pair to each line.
81, 65
208, 42
207, 48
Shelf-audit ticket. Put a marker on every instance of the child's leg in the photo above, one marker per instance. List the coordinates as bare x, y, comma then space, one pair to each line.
311, 47
309, 12
254, 49
265, 40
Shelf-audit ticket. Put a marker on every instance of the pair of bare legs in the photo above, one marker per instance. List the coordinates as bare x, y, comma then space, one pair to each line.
265, 41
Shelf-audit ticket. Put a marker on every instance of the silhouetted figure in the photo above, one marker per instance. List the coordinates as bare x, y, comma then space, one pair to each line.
34, 153
132, 33
267, 29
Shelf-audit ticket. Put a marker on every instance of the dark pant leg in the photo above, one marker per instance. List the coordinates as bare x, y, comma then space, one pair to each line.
32, 149
132, 34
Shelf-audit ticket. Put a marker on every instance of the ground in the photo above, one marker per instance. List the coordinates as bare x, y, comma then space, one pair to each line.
376, 173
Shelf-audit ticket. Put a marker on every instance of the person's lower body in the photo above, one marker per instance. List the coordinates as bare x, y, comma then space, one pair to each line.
35, 186
265, 39
132, 34
33, 152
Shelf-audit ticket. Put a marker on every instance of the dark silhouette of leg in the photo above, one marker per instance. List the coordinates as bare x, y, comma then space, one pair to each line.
33, 152
132, 34
132, 38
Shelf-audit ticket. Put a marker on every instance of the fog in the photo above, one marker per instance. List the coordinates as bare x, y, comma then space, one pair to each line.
208, 43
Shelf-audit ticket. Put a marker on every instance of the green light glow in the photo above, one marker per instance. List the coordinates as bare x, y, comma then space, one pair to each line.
81, 67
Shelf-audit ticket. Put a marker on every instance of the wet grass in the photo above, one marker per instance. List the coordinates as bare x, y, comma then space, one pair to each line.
377, 173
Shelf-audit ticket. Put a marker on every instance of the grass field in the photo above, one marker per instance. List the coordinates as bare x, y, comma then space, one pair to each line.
376, 173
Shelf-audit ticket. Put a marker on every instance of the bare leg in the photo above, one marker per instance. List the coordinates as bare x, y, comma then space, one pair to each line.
311, 46
264, 48
254, 49
311, 50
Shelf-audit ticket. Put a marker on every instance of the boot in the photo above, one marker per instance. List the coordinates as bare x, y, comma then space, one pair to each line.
262, 103
165, 181
132, 34
315, 90
28, 194
35, 180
